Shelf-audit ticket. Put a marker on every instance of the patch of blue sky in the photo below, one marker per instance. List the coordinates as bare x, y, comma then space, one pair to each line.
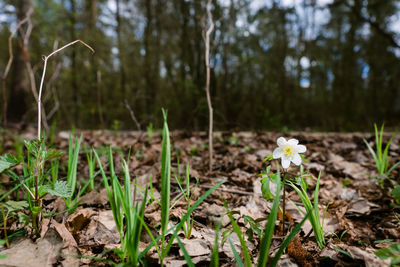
365, 71
305, 82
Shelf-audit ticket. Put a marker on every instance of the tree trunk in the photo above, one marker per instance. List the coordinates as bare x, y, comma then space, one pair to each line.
19, 96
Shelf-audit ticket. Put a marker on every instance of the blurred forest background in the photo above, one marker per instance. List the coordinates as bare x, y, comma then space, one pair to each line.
331, 65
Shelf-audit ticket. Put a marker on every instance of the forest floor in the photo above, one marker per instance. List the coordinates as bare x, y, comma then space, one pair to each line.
357, 214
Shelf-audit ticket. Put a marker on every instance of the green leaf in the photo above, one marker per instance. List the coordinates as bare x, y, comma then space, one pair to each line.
23, 218
236, 254
396, 194
15, 205
269, 157
61, 189
384, 253
165, 180
236, 229
3, 256
289, 238
7, 161
43, 190
269, 228
53, 154
189, 261
395, 248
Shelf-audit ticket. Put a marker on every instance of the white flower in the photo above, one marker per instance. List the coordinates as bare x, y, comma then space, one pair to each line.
288, 151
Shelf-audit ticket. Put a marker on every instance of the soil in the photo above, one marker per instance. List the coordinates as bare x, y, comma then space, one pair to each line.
359, 216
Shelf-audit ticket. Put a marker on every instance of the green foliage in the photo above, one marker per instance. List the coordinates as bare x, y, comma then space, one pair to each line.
381, 157
392, 253
127, 211
91, 161
15, 205
301, 188
396, 195
61, 189
40, 176
215, 250
237, 231
270, 226
7, 161
165, 181
186, 194
266, 234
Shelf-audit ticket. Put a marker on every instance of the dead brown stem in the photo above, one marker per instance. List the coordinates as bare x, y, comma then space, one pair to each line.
207, 60
45, 58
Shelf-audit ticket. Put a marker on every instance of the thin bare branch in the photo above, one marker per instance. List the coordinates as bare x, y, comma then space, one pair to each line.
45, 58
207, 61
134, 119
133, 115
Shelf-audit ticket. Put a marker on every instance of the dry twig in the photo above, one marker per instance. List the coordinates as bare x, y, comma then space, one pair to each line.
45, 58
206, 37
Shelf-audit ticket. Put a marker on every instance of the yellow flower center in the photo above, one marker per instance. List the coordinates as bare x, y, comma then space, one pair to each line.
288, 151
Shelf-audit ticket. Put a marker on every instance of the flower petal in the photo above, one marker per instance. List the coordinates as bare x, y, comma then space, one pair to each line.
278, 153
293, 142
281, 141
301, 148
296, 159
285, 163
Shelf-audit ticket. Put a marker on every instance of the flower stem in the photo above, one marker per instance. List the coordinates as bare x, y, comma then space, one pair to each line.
284, 202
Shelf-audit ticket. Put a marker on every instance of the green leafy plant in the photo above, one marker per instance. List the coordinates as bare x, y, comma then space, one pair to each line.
392, 252
396, 195
128, 213
312, 208
186, 194
289, 152
37, 181
215, 249
381, 158
91, 161
40, 176
267, 233
165, 182
165, 245
9, 209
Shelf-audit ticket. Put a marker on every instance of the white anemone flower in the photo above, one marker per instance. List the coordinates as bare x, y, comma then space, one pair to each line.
288, 151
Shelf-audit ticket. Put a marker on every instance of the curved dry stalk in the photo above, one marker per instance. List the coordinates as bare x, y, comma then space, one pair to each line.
45, 58
207, 60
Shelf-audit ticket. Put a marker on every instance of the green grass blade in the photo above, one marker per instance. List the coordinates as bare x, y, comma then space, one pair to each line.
183, 220
236, 229
385, 157
165, 181
269, 229
73, 156
236, 255
287, 240
215, 249
373, 154
393, 167
189, 261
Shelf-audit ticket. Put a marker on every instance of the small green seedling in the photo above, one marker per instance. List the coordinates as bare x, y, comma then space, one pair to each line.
312, 208
381, 158
266, 235
186, 194
392, 253
128, 213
